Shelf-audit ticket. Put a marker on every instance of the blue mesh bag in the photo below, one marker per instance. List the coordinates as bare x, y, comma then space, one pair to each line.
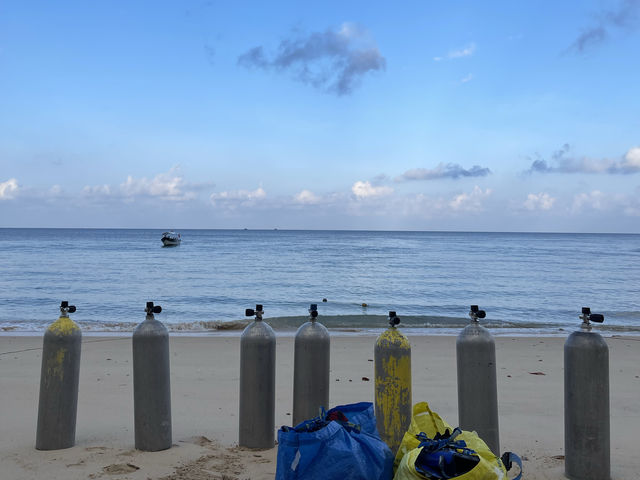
341, 444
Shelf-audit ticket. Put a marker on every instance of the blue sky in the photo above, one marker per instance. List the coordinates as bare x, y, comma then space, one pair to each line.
497, 116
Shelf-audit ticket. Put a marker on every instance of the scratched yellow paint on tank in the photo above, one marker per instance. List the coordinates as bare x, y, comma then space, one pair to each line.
392, 337
63, 326
393, 386
55, 364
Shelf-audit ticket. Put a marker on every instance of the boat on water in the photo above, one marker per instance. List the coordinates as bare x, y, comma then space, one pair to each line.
171, 239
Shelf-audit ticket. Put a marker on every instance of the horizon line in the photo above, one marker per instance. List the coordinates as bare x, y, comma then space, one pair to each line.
325, 230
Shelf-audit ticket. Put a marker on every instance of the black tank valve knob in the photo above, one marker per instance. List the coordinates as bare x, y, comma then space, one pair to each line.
476, 313
596, 317
64, 306
151, 308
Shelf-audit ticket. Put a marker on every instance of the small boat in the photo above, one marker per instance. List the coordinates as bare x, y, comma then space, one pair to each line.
171, 239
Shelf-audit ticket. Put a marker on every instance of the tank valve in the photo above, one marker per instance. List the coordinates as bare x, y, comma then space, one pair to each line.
313, 311
475, 314
150, 309
394, 320
65, 308
587, 317
258, 312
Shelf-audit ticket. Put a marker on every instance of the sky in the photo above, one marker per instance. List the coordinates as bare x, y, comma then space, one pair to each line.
414, 115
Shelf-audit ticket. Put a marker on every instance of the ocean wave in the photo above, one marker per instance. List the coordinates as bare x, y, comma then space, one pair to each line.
353, 323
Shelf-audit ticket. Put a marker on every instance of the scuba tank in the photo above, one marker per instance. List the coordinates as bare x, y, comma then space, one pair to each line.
392, 371
151, 383
59, 378
257, 383
586, 403
477, 385
311, 369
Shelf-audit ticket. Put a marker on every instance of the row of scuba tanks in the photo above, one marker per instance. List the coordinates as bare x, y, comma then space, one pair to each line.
586, 384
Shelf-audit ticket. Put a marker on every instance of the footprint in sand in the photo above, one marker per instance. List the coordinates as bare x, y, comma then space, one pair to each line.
96, 449
120, 468
199, 440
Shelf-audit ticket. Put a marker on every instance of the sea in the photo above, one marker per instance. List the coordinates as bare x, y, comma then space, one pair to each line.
528, 283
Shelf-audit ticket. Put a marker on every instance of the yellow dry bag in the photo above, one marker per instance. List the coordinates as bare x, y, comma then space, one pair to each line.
431, 447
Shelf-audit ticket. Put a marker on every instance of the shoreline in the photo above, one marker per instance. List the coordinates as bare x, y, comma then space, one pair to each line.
412, 332
204, 376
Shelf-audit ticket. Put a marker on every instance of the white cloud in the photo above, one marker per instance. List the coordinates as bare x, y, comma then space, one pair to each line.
595, 200
238, 198
470, 202
240, 194
539, 201
96, 191
9, 189
165, 186
168, 185
561, 163
424, 206
466, 51
467, 78
307, 197
56, 191
631, 160
419, 205
350, 30
365, 190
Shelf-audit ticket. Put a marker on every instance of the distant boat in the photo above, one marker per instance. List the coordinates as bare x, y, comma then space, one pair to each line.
171, 239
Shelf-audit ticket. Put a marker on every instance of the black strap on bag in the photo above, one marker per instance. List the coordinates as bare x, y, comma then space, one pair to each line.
443, 457
508, 459
322, 421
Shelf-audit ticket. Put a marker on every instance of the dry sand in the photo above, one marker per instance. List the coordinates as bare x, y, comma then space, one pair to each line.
204, 376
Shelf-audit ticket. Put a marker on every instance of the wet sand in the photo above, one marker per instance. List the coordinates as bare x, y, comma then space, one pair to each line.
205, 376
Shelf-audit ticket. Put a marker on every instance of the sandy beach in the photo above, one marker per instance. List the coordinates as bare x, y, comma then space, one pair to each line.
205, 375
